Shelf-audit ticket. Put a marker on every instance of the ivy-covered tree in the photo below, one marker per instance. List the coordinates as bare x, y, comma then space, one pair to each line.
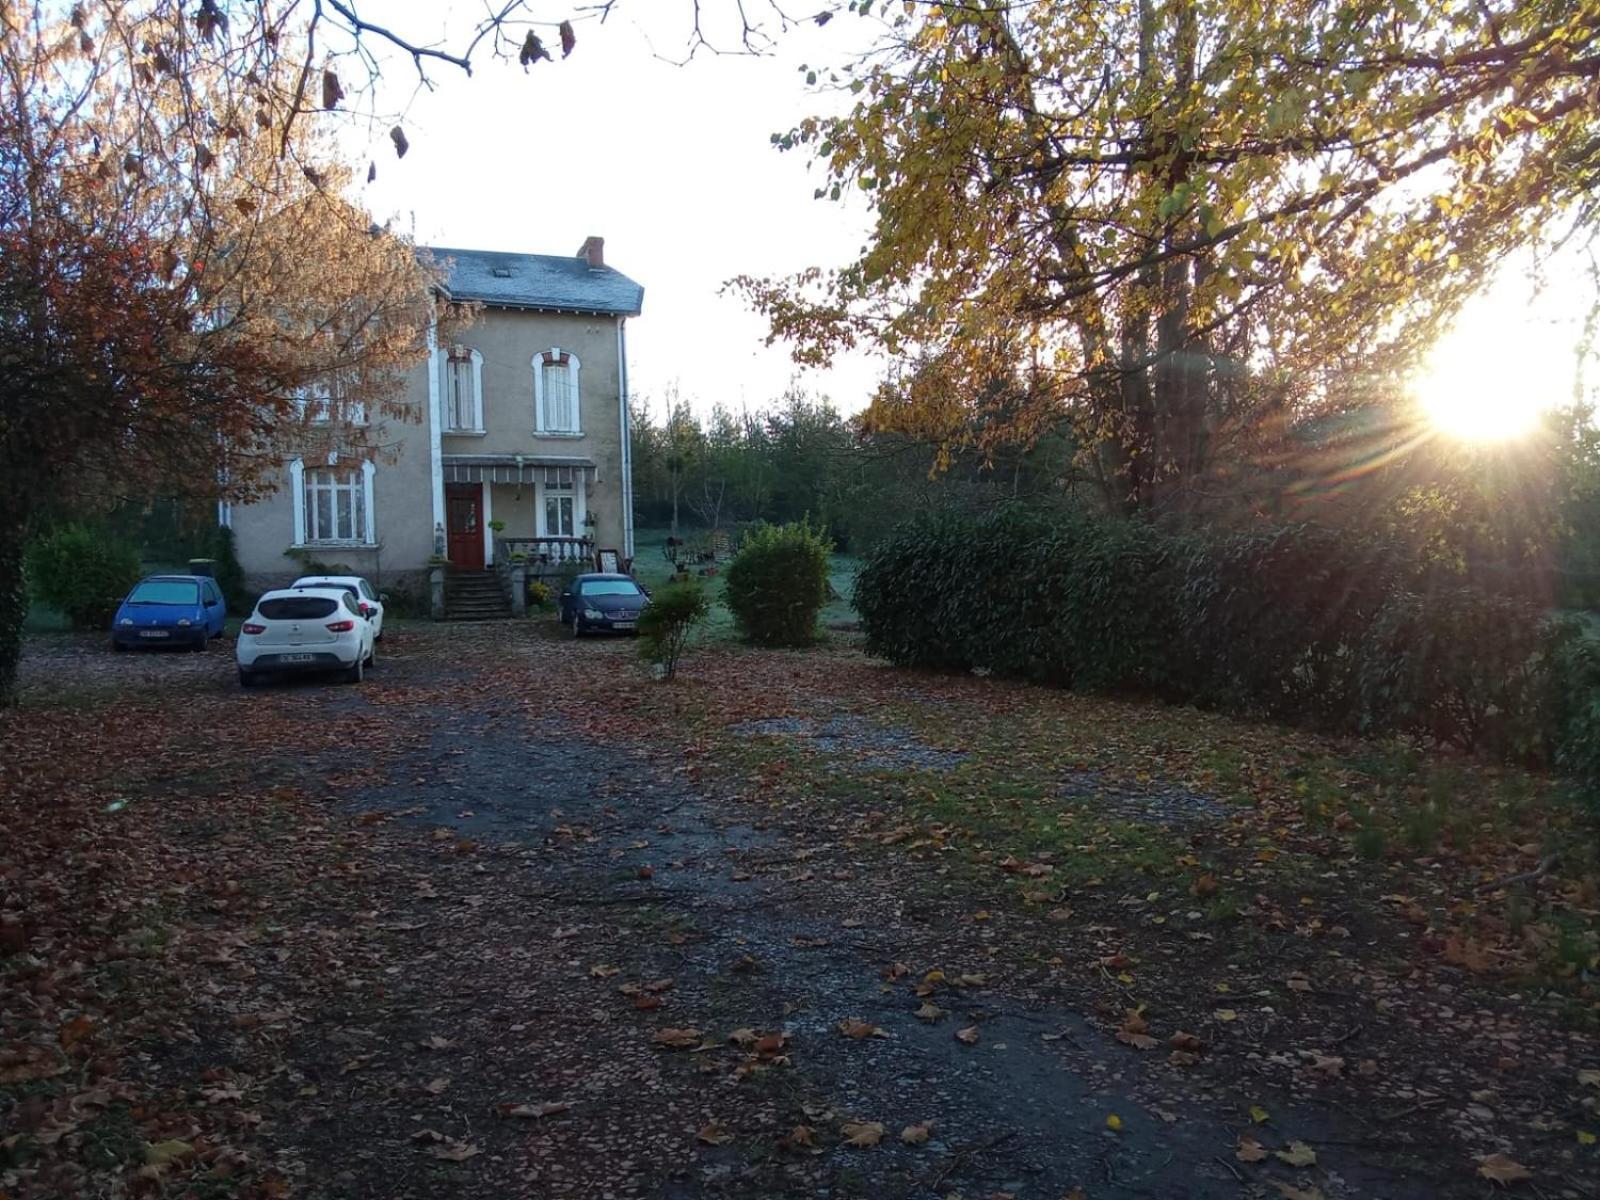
1186, 225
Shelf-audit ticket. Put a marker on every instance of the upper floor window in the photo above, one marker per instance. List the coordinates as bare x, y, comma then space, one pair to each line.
555, 392
463, 391
322, 403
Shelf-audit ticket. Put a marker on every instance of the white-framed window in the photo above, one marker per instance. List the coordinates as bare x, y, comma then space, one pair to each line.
561, 509
556, 396
322, 404
462, 393
332, 504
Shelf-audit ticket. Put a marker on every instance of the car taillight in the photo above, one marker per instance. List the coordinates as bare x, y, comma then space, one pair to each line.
341, 626
252, 627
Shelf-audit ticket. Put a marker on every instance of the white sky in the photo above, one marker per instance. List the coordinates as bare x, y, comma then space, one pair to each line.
672, 165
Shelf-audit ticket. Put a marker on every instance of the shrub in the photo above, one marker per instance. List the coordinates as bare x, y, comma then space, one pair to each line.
668, 620
82, 573
229, 574
1299, 623
778, 583
538, 593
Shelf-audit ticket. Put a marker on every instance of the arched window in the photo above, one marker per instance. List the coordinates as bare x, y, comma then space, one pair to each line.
556, 403
463, 391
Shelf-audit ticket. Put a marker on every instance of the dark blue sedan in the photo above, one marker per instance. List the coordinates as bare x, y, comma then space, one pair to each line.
603, 603
170, 610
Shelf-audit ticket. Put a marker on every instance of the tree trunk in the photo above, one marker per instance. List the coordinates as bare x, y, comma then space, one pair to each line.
13, 607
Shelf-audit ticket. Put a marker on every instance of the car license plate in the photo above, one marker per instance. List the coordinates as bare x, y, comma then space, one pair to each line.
623, 624
152, 633
292, 658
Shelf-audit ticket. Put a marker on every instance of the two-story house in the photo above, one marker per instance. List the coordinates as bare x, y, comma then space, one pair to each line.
524, 426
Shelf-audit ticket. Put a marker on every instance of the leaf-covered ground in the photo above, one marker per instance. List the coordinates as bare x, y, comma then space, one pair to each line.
509, 920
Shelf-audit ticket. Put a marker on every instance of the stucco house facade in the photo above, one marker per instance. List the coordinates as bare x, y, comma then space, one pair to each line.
524, 423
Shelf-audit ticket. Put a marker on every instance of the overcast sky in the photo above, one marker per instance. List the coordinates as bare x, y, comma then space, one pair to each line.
673, 166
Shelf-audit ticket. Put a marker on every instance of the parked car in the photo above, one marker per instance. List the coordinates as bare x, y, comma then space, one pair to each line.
368, 597
305, 629
598, 603
170, 610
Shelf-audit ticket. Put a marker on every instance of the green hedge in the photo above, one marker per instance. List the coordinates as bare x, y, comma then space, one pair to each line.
82, 573
1297, 623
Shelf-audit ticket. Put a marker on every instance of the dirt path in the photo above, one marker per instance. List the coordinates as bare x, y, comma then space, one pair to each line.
507, 933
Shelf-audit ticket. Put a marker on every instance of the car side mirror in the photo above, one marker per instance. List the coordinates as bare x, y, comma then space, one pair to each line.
367, 610
383, 597
211, 603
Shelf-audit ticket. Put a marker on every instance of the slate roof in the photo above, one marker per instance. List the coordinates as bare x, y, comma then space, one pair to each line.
549, 281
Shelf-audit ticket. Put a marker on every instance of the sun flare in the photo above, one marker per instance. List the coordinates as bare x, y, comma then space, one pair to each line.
1477, 409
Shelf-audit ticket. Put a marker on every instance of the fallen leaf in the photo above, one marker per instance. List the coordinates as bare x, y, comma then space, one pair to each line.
1585, 1138
930, 1011
1502, 1170
800, 1135
677, 1039
1249, 1150
1297, 1154
646, 1003
771, 1043
1187, 1042
853, 1028
160, 1154
604, 971
1139, 1041
1225, 1014
1114, 1123
969, 1035
435, 1087
453, 1151
1259, 1115
714, 1134
1289, 1192
915, 1135
862, 1133
744, 1038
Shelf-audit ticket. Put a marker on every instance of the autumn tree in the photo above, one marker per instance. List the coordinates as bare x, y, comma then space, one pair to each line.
178, 274
1183, 228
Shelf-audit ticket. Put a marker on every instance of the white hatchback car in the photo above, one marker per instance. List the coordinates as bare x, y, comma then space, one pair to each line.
305, 629
367, 596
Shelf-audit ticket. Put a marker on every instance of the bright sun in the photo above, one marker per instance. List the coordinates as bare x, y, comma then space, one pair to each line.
1507, 362
1478, 405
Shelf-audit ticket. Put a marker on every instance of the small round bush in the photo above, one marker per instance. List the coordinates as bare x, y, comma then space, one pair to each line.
778, 583
81, 573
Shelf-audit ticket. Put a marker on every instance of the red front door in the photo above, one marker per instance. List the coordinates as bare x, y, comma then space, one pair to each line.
463, 505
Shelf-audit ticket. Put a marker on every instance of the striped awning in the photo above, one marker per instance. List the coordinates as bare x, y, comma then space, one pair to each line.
559, 470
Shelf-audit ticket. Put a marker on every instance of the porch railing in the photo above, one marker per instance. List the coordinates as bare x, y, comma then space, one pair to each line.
545, 551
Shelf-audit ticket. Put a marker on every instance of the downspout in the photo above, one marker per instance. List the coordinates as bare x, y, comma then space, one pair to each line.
435, 446
627, 438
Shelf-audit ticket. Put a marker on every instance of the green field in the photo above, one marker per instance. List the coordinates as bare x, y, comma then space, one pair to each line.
652, 568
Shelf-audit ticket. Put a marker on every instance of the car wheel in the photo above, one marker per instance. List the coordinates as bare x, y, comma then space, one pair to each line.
356, 673
118, 646
372, 655
577, 626
247, 679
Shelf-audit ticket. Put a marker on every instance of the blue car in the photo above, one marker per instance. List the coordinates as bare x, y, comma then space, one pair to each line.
170, 610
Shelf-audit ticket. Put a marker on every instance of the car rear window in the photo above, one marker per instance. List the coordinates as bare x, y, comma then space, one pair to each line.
610, 587
296, 608
327, 583
165, 591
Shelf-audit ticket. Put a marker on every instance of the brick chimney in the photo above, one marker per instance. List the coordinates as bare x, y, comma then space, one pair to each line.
593, 251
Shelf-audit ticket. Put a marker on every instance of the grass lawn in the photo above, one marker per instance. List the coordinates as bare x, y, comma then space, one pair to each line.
653, 568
